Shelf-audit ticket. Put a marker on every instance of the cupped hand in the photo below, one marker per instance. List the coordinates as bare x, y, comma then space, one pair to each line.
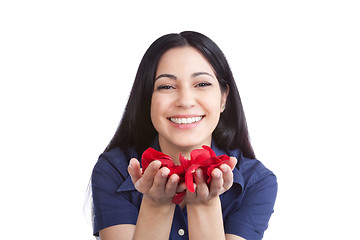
154, 183
221, 181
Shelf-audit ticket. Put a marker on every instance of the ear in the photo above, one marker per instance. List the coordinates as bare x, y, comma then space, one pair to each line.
224, 96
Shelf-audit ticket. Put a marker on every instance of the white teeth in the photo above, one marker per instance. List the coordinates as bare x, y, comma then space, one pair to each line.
185, 120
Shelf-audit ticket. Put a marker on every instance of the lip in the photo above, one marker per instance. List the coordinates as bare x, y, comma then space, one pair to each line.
187, 116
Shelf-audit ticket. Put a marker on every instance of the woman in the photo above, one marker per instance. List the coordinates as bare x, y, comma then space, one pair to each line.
184, 96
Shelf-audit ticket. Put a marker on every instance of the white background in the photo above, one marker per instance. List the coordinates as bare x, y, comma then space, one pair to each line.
66, 69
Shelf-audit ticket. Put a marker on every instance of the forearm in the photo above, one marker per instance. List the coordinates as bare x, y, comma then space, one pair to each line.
154, 221
205, 220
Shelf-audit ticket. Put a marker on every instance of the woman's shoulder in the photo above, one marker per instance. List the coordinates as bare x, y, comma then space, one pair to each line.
253, 170
119, 155
115, 160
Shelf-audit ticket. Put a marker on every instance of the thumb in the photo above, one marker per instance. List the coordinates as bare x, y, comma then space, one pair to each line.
232, 162
134, 170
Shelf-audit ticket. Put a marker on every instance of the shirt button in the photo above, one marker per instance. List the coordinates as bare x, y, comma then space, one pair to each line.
181, 232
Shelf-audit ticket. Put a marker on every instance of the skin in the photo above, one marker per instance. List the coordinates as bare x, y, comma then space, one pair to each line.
185, 87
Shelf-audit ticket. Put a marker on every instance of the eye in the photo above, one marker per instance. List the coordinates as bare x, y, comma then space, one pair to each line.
165, 87
203, 84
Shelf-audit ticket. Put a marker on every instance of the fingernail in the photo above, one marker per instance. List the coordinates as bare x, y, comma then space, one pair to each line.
174, 178
165, 172
156, 163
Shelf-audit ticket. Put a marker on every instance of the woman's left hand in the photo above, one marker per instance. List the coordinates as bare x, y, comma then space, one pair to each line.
221, 181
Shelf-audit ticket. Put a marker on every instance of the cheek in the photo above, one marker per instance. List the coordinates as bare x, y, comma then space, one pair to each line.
154, 108
213, 102
158, 107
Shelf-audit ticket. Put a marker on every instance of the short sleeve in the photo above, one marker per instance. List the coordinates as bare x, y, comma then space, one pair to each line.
111, 207
251, 214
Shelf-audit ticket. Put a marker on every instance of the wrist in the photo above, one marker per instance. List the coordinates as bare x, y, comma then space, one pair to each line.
210, 203
157, 205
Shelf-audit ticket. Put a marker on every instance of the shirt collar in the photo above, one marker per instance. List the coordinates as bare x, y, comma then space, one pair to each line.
238, 177
128, 185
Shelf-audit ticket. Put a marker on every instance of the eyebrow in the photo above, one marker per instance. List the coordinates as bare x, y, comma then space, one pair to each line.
175, 78
166, 76
201, 73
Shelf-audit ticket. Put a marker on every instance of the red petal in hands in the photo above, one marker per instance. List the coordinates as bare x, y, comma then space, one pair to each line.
179, 170
225, 160
184, 161
177, 199
199, 155
189, 178
204, 157
151, 154
211, 152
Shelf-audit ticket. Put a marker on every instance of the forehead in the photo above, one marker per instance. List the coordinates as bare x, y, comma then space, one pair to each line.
183, 59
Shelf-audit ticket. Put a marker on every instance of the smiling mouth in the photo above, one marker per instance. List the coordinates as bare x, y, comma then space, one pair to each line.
186, 120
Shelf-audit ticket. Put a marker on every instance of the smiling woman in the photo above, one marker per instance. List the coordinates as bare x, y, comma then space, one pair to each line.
184, 98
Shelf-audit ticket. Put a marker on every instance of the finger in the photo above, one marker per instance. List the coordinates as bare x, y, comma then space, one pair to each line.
191, 194
146, 181
181, 187
227, 176
134, 170
202, 189
216, 183
171, 185
160, 180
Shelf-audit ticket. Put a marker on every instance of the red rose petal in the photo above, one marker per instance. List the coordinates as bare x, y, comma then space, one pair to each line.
151, 154
213, 166
183, 160
198, 155
211, 152
177, 169
189, 178
179, 197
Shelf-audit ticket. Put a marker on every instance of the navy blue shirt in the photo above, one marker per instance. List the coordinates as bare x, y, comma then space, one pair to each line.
246, 206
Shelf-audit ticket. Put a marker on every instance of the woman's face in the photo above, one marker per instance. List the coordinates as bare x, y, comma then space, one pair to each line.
187, 100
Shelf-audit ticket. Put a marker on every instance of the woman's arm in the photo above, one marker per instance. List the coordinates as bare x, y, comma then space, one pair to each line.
123, 232
154, 221
156, 211
205, 220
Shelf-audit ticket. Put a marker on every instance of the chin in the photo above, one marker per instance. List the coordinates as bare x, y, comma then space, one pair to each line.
190, 144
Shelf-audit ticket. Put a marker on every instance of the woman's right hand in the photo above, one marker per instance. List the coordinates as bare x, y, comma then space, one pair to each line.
154, 183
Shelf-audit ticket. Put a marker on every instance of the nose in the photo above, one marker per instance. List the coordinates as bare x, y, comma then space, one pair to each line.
186, 98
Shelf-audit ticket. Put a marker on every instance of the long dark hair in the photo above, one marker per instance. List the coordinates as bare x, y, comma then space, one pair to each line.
136, 129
